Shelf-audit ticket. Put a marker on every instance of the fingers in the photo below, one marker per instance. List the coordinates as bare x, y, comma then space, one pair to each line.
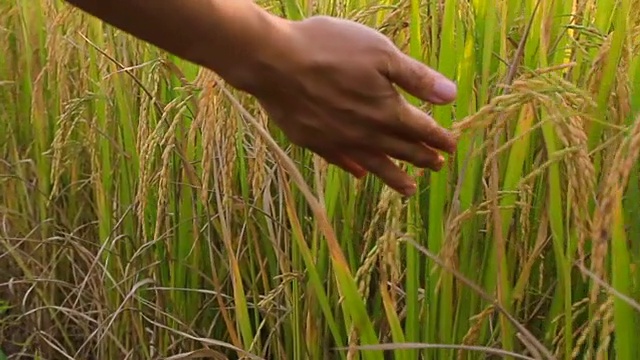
416, 153
375, 159
343, 162
381, 166
420, 80
417, 125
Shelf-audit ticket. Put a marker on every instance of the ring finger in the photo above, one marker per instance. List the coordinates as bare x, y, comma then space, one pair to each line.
381, 165
419, 126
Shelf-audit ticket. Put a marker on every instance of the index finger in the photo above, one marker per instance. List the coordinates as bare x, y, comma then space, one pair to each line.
420, 80
419, 126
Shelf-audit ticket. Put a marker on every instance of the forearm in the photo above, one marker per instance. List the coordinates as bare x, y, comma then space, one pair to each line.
217, 34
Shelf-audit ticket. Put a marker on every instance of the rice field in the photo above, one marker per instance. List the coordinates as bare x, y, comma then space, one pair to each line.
149, 211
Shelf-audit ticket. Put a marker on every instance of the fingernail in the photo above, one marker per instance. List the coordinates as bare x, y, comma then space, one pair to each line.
439, 163
409, 190
452, 147
445, 90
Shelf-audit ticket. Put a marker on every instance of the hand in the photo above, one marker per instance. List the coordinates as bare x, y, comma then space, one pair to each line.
332, 92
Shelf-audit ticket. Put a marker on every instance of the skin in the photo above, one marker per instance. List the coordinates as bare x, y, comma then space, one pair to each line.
328, 83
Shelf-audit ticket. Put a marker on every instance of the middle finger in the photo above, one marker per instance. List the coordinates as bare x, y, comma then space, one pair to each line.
419, 126
416, 153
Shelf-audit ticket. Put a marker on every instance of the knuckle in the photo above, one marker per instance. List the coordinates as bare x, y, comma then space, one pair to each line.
367, 137
354, 134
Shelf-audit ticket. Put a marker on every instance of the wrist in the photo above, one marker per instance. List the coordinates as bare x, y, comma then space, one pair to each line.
245, 43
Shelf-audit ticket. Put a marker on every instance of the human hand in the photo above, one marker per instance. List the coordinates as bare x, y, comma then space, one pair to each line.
332, 91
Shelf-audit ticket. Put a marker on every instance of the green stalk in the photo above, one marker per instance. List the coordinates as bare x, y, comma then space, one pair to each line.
609, 72
632, 196
634, 83
562, 297
412, 279
467, 167
519, 154
103, 184
128, 162
486, 23
625, 318
315, 281
31, 105
292, 9
437, 201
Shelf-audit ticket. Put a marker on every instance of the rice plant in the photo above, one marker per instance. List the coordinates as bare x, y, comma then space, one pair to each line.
149, 211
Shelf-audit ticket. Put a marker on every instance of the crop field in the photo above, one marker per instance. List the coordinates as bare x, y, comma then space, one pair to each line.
150, 211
